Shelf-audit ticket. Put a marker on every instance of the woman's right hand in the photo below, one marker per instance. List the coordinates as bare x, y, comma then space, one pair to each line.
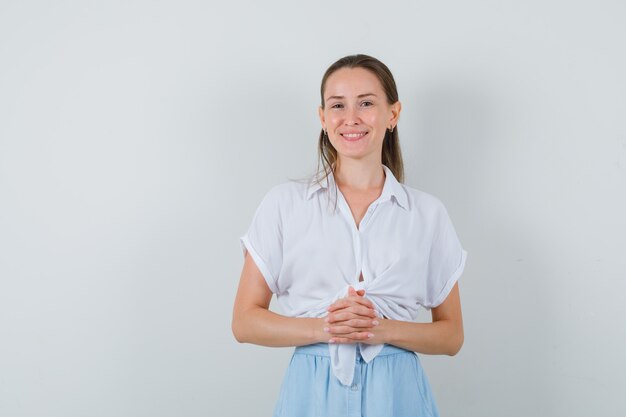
350, 318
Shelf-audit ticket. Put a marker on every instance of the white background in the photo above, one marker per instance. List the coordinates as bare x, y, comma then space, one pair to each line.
138, 137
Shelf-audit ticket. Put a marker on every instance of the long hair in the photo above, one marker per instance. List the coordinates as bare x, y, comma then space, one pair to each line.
391, 153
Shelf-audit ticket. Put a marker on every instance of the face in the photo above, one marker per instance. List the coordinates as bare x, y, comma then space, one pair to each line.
356, 113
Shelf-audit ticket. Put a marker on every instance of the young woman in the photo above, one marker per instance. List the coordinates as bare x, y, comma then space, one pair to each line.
352, 255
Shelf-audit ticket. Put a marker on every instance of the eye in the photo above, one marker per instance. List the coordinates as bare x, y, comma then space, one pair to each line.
336, 106
367, 103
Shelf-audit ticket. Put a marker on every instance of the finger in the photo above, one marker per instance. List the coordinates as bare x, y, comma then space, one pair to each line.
355, 310
346, 302
361, 292
351, 338
338, 305
351, 291
358, 323
349, 326
344, 315
341, 303
355, 321
360, 310
360, 300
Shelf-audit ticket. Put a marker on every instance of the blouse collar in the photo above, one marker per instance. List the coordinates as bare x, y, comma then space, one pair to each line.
391, 188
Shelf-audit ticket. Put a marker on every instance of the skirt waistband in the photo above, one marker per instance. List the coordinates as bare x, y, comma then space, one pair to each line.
321, 349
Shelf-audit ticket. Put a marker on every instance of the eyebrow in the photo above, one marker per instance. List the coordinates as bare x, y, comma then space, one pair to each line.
359, 96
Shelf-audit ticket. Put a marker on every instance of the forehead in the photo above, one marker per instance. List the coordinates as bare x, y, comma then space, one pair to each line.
352, 82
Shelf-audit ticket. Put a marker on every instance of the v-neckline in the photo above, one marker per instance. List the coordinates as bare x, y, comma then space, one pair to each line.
368, 210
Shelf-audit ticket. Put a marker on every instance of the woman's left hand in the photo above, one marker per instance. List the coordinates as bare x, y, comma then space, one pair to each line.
353, 319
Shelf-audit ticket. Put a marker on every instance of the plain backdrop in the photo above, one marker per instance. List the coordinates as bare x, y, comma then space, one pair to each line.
138, 137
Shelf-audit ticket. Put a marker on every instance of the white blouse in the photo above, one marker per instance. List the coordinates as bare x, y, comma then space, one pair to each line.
309, 254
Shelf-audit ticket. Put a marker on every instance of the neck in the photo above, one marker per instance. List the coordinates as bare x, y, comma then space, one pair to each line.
359, 175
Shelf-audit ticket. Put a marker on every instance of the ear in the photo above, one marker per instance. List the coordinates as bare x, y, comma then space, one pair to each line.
320, 112
396, 108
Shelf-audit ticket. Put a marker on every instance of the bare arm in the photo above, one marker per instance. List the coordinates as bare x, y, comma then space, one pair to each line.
443, 336
253, 322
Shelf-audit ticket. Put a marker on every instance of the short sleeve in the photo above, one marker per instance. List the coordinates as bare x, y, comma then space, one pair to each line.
446, 260
263, 240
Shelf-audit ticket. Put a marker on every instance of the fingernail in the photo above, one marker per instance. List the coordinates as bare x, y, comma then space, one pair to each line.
375, 323
326, 319
331, 341
370, 335
326, 329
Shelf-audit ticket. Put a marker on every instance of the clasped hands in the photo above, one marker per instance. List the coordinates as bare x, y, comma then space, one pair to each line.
352, 319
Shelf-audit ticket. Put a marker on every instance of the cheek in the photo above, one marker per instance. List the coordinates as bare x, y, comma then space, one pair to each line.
374, 117
332, 119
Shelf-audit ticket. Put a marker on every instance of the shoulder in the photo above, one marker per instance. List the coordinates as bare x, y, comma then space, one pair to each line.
287, 192
423, 202
285, 197
429, 214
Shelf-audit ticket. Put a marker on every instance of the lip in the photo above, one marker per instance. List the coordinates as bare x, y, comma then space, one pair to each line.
353, 136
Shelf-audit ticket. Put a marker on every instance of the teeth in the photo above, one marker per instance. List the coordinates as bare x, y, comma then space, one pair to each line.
353, 135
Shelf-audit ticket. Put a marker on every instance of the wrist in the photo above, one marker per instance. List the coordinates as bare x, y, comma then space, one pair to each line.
385, 331
316, 331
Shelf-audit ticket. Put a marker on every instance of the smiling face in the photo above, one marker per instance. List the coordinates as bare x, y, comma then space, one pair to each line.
356, 114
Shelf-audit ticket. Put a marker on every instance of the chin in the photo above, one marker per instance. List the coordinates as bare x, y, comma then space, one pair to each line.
352, 155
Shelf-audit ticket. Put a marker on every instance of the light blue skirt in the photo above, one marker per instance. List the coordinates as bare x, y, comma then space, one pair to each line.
393, 384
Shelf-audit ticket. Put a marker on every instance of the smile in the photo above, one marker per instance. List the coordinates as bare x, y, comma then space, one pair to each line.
353, 136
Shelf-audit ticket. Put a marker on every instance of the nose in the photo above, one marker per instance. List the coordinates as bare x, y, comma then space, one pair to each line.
352, 116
